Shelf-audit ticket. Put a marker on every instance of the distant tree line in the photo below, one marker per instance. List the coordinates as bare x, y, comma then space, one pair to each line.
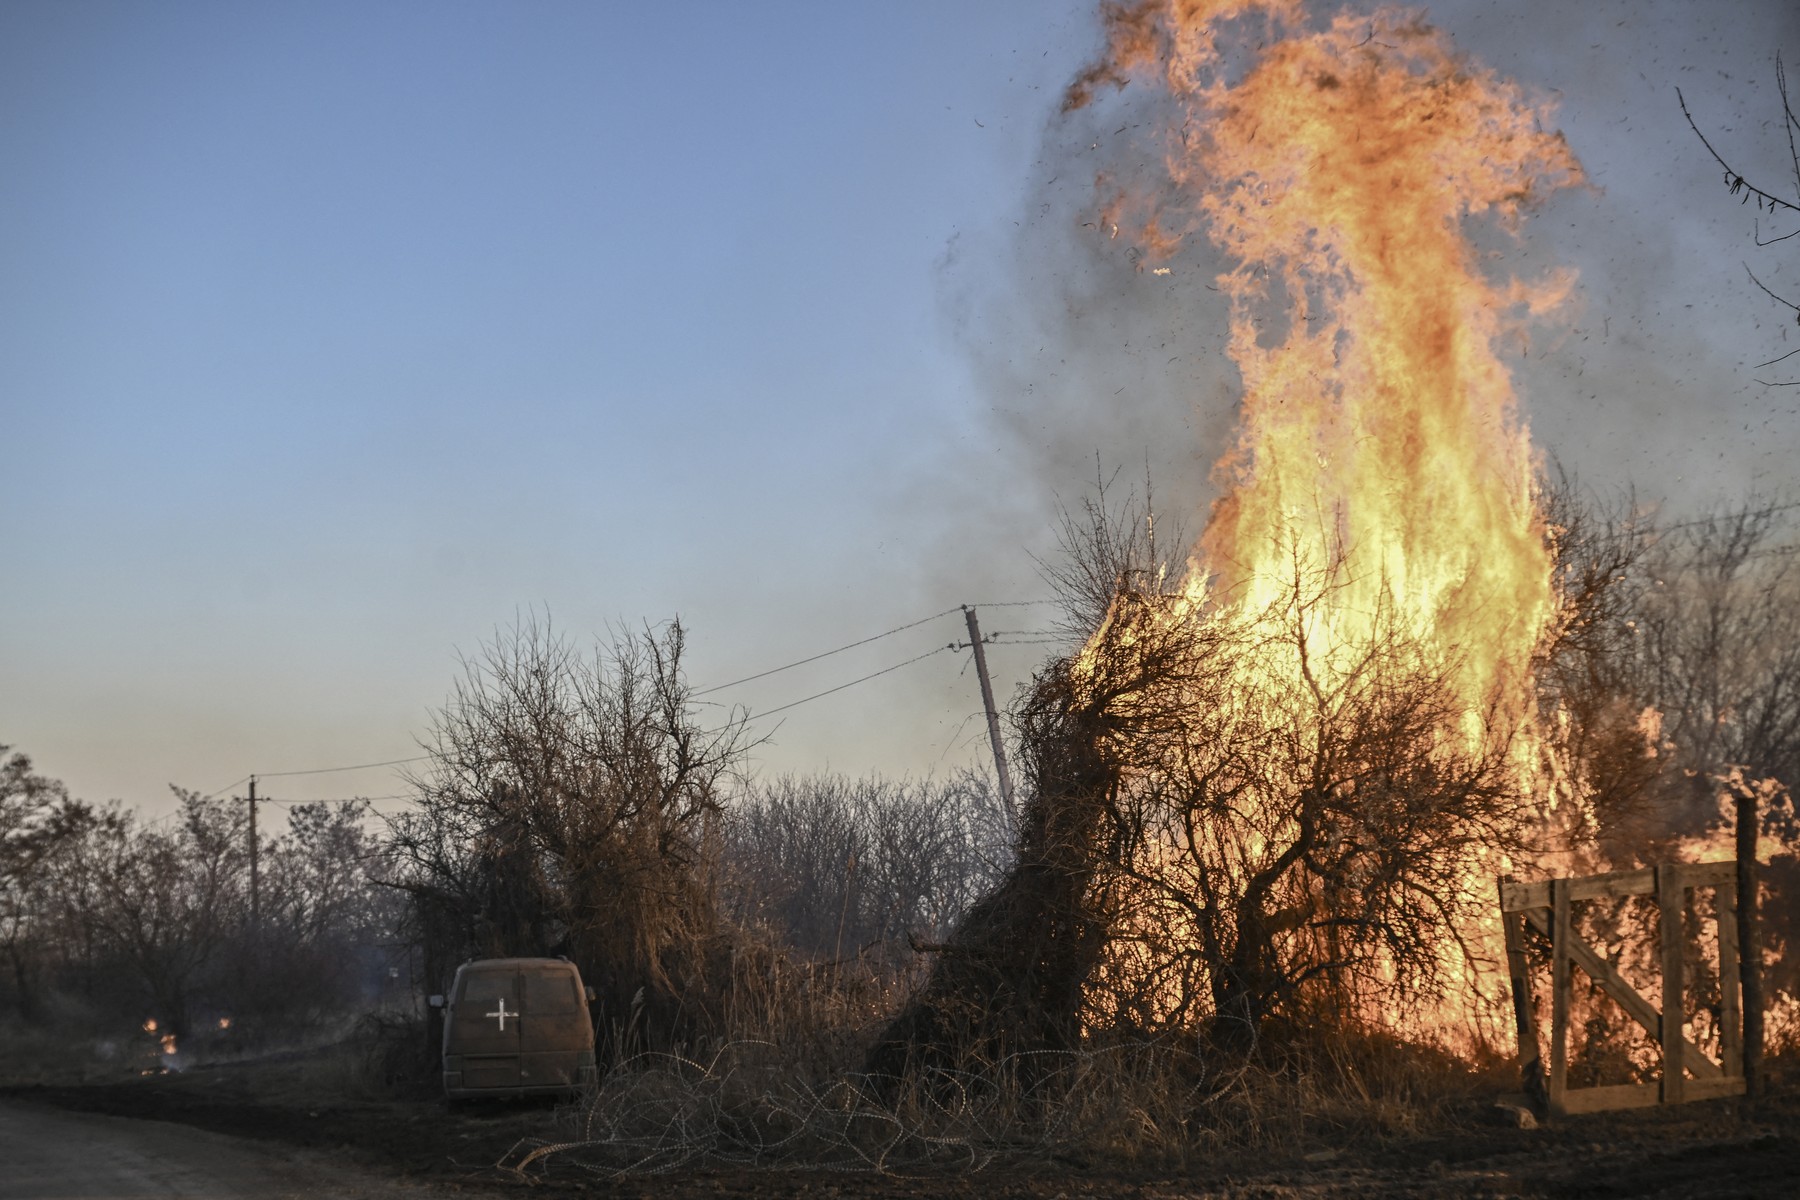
111, 921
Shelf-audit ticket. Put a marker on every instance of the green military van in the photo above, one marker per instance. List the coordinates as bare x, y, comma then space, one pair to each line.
517, 1027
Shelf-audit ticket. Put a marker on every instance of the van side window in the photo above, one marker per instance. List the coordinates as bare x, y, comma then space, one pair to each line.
550, 992
482, 986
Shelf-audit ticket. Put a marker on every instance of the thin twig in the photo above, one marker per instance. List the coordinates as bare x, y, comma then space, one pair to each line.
1765, 287
1733, 181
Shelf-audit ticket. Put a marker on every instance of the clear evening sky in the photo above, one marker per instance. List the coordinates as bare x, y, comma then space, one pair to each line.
337, 335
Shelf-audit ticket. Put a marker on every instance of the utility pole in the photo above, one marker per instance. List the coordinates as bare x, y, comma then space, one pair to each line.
255, 882
993, 717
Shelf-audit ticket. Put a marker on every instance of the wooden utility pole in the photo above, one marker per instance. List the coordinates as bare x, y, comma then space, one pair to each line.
993, 717
255, 881
1749, 943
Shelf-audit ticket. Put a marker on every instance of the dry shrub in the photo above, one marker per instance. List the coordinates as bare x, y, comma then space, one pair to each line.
822, 1014
843, 868
389, 1058
571, 806
1157, 1103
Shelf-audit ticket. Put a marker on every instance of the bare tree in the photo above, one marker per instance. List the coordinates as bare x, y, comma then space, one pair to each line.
37, 821
572, 806
164, 903
306, 958
1764, 199
1676, 662
1720, 628
1300, 824
843, 867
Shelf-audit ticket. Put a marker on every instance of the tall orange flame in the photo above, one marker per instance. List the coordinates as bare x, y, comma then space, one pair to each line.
1348, 172
1378, 430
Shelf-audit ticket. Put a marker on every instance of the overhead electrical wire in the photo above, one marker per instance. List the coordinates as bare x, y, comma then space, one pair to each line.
719, 687
227, 787
992, 639
335, 799
757, 716
393, 762
840, 687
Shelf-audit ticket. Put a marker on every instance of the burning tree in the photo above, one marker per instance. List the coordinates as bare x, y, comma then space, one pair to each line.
1309, 841
1287, 777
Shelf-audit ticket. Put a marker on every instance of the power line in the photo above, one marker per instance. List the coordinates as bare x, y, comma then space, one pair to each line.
226, 788
395, 762
399, 762
1767, 511
335, 799
827, 654
840, 687
314, 771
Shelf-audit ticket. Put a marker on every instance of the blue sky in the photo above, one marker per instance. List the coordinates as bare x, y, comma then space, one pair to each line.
337, 335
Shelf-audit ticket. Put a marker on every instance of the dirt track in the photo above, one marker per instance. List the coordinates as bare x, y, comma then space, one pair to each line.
296, 1138
48, 1154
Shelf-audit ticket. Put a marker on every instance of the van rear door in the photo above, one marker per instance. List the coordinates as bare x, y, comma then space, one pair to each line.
486, 1027
558, 1033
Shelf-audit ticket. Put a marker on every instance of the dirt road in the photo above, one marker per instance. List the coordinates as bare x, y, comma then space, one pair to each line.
287, 1129
47, 1154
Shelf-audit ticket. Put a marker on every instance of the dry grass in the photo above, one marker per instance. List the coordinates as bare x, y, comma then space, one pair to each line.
1145, 1104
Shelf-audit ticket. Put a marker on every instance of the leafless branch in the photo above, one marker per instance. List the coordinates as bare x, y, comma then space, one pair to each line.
1771, 295
1735, 182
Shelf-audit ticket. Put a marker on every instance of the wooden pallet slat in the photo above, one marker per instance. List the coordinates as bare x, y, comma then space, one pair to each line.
1671, 901
1614, 1096
1517, 897
1518, 970
1731, 1018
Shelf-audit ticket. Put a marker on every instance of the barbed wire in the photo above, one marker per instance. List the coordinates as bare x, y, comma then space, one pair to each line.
748, 1108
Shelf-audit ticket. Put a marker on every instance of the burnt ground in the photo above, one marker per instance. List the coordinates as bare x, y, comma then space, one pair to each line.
1714, 1149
